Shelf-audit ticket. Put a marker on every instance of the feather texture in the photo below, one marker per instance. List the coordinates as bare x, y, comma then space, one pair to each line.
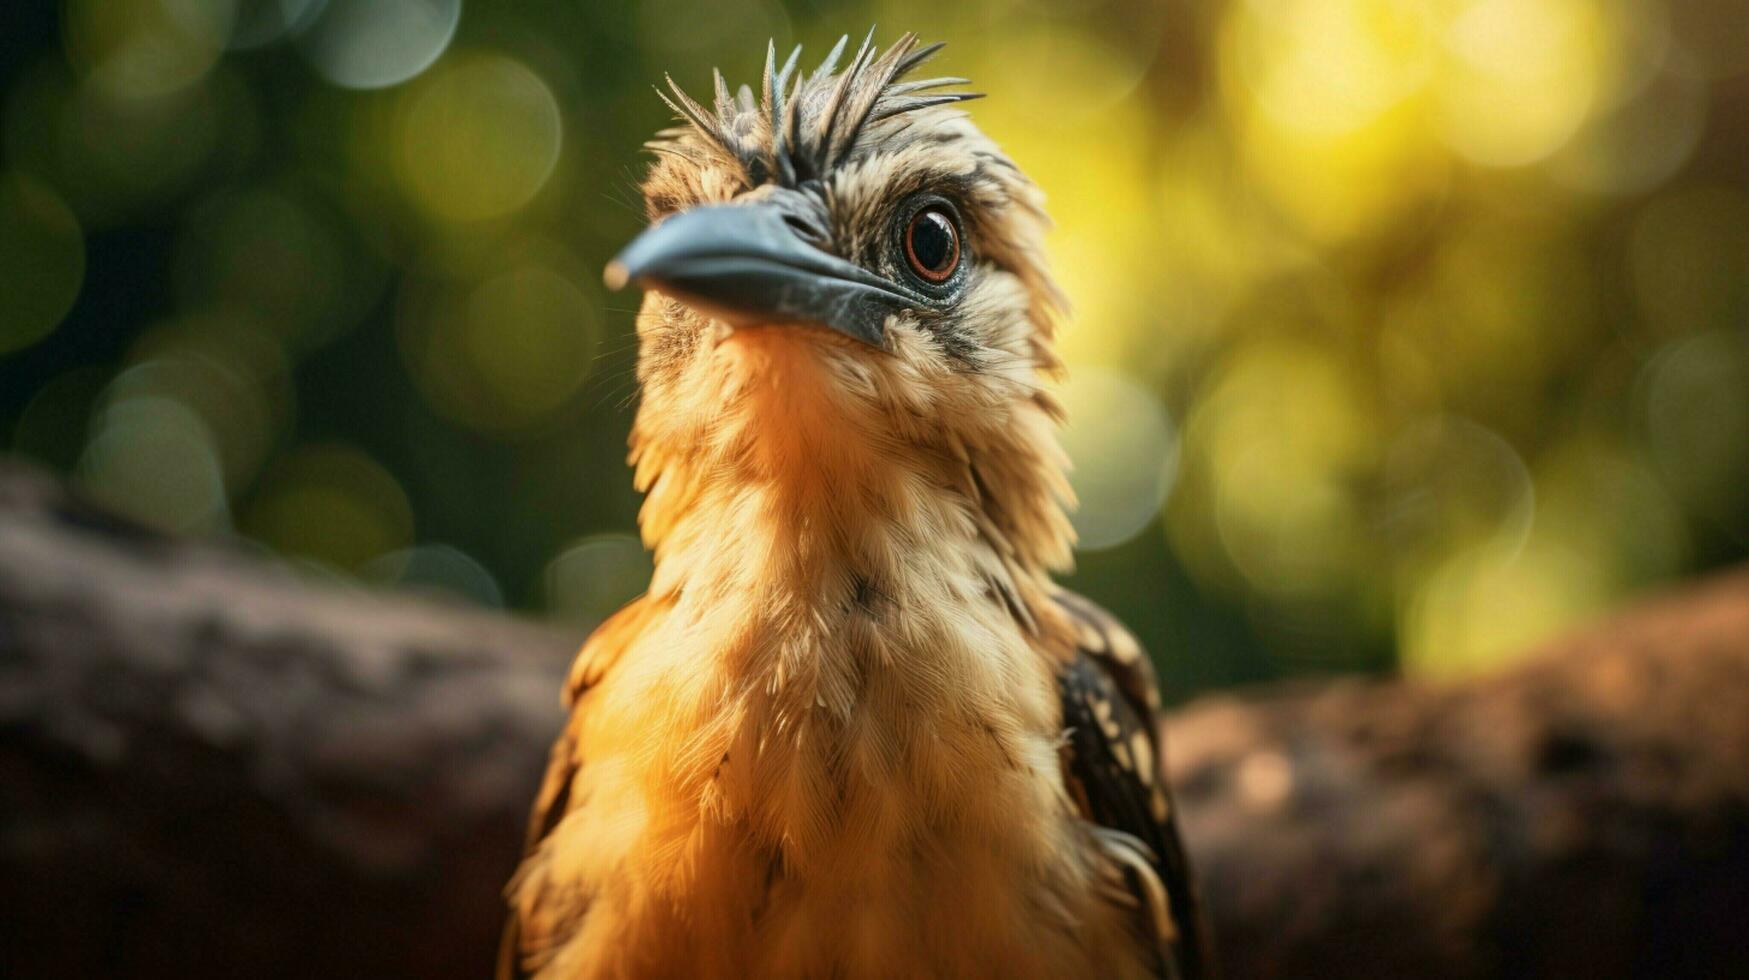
1112, 761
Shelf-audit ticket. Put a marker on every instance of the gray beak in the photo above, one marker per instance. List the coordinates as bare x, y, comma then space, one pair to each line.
745, 265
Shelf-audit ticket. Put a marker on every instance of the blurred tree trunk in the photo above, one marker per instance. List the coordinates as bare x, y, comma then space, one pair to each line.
210, 767
1584, 815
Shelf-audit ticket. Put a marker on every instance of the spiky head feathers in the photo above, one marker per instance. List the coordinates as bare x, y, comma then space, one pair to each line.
803, 126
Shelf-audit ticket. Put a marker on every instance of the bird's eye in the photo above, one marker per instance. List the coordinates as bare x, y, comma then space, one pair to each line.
932, 245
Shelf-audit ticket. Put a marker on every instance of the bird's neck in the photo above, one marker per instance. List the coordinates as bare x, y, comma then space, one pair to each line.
847, 614
827, 628
812, 532
803, 494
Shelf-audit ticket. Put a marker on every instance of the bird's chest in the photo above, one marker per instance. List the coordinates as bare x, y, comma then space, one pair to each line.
840, 811
912, 859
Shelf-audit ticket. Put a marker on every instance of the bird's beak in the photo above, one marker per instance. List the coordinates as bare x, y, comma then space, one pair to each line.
745, 265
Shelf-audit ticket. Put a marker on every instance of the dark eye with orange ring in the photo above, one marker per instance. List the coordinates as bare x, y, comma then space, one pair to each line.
932, 245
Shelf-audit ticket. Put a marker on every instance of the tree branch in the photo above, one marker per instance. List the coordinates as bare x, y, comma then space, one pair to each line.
208, 767
1585, 815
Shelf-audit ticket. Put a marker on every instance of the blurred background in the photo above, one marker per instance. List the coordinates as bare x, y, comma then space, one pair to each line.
1406, 332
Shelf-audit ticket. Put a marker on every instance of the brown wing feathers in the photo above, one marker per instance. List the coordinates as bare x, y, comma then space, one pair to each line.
1112, 764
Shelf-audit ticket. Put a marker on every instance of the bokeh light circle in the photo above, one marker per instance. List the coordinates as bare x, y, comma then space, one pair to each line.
593, 577
52, 426
507, 354
1520, 78
266, 250
378, 43
143, 49
1125, 454
1484, 604
437, 570
153, 459
209, 366
1281, 436
331, 505
1330, 97
263, 22
478, 139
1605, 495
1640, 142
1330, 66
116, 157
1451, 484
42, 260
1099, 72
1694, 400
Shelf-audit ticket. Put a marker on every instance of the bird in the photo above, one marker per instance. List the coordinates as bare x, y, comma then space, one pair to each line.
854, 727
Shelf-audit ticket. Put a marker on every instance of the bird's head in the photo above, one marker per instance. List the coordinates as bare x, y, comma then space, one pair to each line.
845, 285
